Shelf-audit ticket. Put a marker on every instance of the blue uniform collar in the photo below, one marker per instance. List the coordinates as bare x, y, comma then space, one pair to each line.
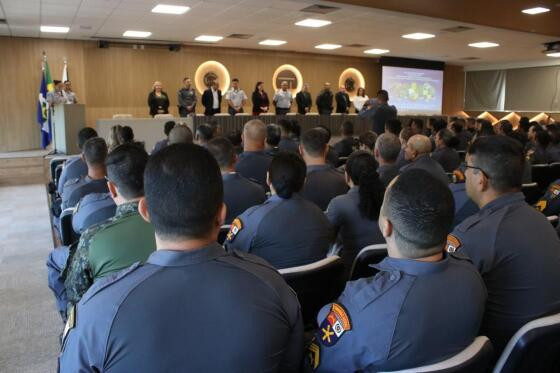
250, 153
172, 258
318, 167
506, 199
277, 198
354, 189
413, 267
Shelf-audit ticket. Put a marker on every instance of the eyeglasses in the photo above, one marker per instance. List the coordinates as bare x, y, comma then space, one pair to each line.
478, 168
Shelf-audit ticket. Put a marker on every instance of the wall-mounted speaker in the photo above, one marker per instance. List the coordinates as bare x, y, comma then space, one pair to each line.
103, 44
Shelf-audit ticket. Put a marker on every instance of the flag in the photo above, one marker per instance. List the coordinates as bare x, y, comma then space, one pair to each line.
43, 112
65, 71
50, 84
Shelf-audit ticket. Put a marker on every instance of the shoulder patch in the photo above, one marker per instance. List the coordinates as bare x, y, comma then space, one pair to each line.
314, 354
334, 325
236, 227
541, 205
453, 243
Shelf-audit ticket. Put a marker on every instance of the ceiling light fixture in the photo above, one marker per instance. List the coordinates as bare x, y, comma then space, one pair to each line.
536, 10
57, 29
208, 38
484, 44
311, 22
170, 9
272, 42
418, 36
376, 51
553, 54
328, 46
137, 34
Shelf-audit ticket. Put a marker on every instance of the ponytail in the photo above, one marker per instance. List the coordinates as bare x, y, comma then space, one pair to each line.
361, 168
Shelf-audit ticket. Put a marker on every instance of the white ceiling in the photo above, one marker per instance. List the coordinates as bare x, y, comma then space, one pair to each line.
271, 19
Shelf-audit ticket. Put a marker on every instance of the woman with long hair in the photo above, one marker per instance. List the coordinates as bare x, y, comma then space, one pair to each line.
260, 99
158, 101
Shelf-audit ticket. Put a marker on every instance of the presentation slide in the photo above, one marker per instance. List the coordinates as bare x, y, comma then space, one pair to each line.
413, 91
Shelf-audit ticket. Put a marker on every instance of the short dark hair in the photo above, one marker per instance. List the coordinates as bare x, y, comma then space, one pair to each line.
524, 123
125, 167
361, 167
235, 137
501, 159
506, 126
368, 139
421, 209
394, 126
168, 126
222, 149
383, 94
457, 126
419, 122
95, 151
287, 173
486, 128
205, 132
185, 78
235, 80
296, 129
448, 138
184, 191
313, 142
180, 134
543, 138
286, 125
56, 82
327, 132
438, 124
347, 128
273, 134
84, 135
125, 134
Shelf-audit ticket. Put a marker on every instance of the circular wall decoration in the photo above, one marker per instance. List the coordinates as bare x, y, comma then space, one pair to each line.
209, 71
351, 79
290, 74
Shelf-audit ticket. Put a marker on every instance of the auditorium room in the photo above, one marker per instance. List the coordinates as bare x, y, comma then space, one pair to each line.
280, 186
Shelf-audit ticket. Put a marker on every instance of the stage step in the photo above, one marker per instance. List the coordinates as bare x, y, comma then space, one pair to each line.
21, 169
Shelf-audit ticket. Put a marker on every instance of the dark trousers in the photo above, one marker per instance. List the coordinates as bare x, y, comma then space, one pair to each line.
209, 111
56, 262
232, 111
281, 111
183, 111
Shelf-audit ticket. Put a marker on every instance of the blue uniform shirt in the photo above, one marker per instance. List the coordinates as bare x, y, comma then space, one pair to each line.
288, 144
464, 206
92, 209
549, 204
387, 173
411, 313
322, 184
76, 189
517, 252
253, 166
424, 162
240, 194
73, 168
199, 311
285, 232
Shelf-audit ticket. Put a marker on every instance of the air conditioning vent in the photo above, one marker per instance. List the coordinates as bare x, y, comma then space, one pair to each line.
469, 58
356, 45
239, 36
320, 9
457, 29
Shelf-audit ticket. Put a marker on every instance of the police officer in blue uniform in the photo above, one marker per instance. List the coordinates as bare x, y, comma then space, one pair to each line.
549, 203
417, 152
75, 167
92, 209
286, 230
464, 206
239, 193
253, 162
513, 246
169, 315
391, 321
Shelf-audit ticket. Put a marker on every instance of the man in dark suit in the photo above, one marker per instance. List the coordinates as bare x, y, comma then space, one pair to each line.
379, 111
303, 100
342, 101
212, 99
325, 100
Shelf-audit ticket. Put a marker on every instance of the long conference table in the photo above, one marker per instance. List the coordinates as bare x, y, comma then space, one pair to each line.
150, 130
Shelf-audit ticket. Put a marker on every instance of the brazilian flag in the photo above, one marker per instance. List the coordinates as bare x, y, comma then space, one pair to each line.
43, 112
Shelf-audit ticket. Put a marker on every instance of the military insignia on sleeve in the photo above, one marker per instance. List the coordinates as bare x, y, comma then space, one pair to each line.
314, 354
453, 243
555, 191
70, 324
541, 205
236, 227
334, 326
458, 176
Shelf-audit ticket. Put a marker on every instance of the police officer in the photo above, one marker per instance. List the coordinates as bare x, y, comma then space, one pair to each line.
549, 204
287, 143
445, 153
253, 162
323, 181
75, 167
513, 246
120, 241
417, 152
346, 145
286, 230
167, 128
186, 98
379, 111
273, 136
464, 206
236, 98
386, 151
391, 321
95, 154
92, 209
239, 192
193, 306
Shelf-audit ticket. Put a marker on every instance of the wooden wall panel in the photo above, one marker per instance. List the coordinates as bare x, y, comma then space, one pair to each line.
453, 89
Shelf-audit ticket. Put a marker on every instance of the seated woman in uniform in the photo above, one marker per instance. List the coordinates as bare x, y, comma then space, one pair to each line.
354, 215
445, 152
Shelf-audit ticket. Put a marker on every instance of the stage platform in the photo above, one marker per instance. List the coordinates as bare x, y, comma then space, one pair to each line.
25, 167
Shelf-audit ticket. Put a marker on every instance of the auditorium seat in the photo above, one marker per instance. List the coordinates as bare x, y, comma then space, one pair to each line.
475, 358
224, 230
67, 234
316, 285
371, 254
163, 116
534, 348
532, 192
541, 175
122, 116
54, 163
553, 219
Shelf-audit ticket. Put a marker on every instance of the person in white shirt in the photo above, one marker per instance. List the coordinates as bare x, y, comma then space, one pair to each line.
283, 99
235, 98
69, 94
360, 99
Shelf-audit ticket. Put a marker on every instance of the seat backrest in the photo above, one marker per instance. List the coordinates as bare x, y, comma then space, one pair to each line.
475, 358
532, 192
553, 219
371, 254
316, 285
67, 234
541, 175
534, 348
54, 163
98, 216
224, 230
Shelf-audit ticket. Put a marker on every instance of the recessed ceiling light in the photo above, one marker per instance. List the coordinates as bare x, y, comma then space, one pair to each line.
376, 51
58, 29
484, 44
272, 42
170, 9
418, 36
328, 46
553, 54
208, 38
311, 22
536, 10
137, 34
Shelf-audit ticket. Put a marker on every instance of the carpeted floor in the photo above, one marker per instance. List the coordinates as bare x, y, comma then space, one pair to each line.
29, 323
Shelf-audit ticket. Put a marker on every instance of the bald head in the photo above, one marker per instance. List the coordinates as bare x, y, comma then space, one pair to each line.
416, 146
254, 135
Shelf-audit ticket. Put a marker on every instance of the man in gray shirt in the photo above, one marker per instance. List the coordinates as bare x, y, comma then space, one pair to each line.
283, 99
186, 98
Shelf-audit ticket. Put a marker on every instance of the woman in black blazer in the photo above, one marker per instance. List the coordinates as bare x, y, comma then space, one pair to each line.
260, 99
158, 100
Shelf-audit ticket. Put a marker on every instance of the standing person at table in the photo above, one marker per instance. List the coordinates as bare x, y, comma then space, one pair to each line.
56, 96
379, 111
212, 99
283, 99
324, 101
342, 101
235, 98
158, 101
304, 100
186, 98
68, 93
360, 99
260, 99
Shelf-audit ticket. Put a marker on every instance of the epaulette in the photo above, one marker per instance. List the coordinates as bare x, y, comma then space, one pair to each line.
252, 258
107, 281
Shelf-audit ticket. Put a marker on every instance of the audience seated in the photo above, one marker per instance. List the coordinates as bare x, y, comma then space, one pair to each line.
287, 143
404, 135
120, 241
76, 166
180, 134
253, 163
464, 206
549, 203
167, 127
417, 126
204, 133
445, 153
354, 215
332, 155
423, 307
286, 230
92, 209
346, 145
236, 140
386, 152
192, 306
323, 182
463, 136
393, 126
417, 152
273, 135
239, 192
366, 141
514, 247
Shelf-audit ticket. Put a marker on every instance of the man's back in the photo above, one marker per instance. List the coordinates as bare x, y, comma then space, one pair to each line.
240, 194
253, 166
379, 114
387, 173
76, 189
73, 168
448, 158
424, 162
170, 316
323, 183
345, 147
287, 144
92, 209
